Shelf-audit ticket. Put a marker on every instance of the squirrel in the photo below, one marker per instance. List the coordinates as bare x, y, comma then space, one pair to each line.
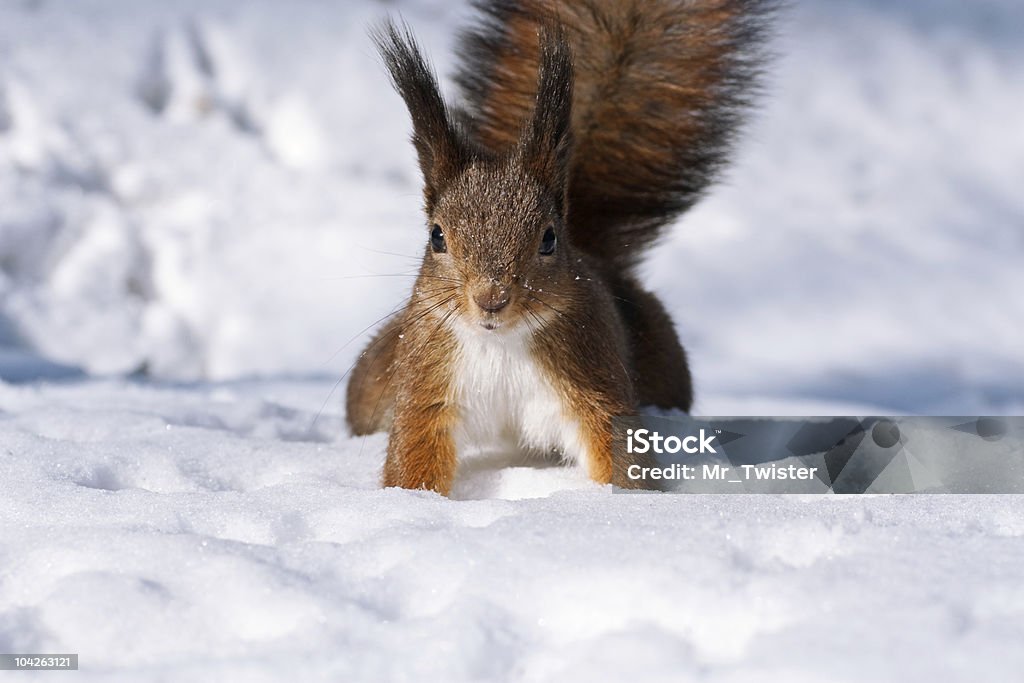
586, 128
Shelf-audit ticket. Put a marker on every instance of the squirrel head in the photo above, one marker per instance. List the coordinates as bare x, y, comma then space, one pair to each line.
496, 225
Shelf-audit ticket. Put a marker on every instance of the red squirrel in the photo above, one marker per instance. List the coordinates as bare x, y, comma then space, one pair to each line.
585, 128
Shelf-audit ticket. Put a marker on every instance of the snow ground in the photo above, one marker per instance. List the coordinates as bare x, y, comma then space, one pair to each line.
211, 192
204, 533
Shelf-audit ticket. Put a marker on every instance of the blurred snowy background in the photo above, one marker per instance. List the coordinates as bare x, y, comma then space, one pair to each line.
196, 190
219, 196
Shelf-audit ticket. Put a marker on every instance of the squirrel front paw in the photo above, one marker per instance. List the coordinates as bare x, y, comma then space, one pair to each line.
421, 452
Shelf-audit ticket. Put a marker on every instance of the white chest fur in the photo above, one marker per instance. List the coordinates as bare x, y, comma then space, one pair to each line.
506, 401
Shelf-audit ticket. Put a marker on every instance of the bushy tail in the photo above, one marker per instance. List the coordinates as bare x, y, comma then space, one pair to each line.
660, 90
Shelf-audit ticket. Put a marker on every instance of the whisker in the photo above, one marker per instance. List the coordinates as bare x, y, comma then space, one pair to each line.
415, 353
393, 311
545, 303
533, 314
622, 365
368, 349
563, 295
542, 325
376, 275
367, 276
416, 258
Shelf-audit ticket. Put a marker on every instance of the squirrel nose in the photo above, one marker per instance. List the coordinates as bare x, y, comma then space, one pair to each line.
494, 298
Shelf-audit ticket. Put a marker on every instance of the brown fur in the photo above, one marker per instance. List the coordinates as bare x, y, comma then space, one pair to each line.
660, 89
661, 372
371, 391
657, 90
421, 451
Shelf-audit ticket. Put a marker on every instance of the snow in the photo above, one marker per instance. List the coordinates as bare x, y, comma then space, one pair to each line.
203, 533
204, 203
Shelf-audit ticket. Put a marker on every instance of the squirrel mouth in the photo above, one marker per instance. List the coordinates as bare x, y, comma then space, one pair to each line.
490, 325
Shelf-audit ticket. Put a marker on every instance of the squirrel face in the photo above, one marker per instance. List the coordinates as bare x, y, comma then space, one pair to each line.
495, 220
495, 234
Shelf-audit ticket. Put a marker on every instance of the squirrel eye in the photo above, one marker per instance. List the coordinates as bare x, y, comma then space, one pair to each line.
547, 243
437, 242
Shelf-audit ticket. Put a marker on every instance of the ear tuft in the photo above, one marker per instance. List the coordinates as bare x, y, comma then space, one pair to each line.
441, 149
546, 141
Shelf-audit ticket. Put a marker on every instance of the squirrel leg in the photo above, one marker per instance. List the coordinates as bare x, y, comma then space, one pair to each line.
370, 399
591, 373
603, 463
421, 447
595, 405
421, 450
596, 436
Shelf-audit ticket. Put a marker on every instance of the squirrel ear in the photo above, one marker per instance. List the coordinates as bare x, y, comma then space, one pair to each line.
546, 142
441, 150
